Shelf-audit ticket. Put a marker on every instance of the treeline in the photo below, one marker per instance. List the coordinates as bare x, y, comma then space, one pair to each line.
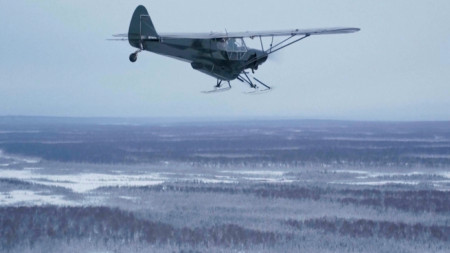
142, 145
28, 225
369, 228
11, 184
406, 200
290, 191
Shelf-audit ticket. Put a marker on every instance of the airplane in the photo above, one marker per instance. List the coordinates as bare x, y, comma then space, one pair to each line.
223, 56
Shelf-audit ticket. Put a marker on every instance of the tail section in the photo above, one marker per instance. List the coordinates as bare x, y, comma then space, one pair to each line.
141, 27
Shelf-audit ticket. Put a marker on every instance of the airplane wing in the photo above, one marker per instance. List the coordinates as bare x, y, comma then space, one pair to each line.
218, 35
291, 34
213, 35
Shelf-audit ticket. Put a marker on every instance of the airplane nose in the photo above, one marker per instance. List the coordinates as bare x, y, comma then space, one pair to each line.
256, 59
262, 57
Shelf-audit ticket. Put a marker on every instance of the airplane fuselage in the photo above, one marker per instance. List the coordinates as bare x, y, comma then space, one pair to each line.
206, 56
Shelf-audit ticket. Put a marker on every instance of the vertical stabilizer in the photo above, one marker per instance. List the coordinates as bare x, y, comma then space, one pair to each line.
141, 26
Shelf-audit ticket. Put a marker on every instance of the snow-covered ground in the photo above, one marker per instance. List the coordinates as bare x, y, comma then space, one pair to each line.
34, 172
22, 197
85, 182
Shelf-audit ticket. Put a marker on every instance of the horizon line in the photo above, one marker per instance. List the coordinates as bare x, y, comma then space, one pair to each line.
216, 119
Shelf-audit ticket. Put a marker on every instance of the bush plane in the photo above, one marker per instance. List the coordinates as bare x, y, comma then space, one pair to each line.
223, 56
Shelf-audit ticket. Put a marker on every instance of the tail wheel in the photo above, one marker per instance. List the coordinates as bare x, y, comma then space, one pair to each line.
133, 57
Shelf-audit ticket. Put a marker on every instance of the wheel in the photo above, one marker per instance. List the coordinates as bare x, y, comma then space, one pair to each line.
133, 57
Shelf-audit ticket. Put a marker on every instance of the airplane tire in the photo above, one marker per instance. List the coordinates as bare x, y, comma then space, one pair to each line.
133, 57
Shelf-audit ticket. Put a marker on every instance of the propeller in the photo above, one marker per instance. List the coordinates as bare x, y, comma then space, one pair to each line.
256, 59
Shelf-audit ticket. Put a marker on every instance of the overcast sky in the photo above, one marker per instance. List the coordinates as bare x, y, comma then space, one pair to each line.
55, 61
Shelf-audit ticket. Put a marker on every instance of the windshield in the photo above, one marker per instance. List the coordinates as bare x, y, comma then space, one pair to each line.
232, 45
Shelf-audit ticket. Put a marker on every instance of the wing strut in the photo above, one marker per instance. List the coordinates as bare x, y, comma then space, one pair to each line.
280, 45
283, 44
262, 46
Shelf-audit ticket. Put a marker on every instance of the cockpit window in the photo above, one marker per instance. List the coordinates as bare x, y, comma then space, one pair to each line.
235, 47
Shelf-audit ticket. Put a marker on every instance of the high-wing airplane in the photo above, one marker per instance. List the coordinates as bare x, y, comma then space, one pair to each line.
223, 56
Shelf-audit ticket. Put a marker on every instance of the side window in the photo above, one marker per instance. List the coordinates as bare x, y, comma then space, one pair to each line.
240, 45
235, 47
222, 44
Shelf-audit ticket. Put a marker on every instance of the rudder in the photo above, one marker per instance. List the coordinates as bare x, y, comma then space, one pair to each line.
141, 25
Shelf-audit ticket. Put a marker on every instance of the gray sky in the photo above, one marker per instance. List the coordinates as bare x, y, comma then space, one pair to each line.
55, 60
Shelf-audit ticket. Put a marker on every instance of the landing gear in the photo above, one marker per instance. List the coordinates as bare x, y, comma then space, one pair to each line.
219, 83
133, 57
252, 85
218, 88
246, 79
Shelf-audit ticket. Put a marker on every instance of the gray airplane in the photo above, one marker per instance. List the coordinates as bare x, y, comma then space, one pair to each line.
223, 56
